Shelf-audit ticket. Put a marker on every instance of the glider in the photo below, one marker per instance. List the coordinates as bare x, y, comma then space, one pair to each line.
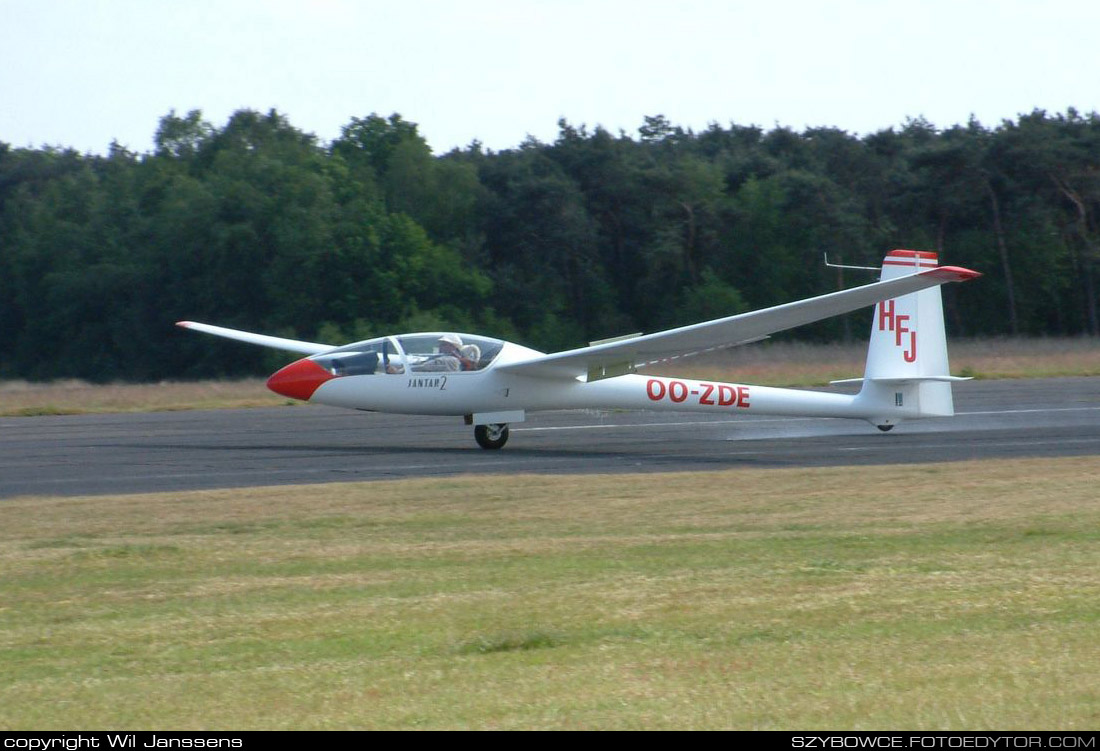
492, 383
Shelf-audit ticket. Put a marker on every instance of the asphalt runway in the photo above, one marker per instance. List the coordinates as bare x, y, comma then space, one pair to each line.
107, 454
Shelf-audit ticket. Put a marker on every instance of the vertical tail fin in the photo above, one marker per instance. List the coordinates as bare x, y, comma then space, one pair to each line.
907, 372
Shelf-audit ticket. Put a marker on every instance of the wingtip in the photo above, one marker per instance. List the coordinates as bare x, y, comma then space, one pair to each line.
954, 273
184, 324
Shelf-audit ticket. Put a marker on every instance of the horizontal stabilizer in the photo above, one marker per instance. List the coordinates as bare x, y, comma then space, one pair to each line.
902, 379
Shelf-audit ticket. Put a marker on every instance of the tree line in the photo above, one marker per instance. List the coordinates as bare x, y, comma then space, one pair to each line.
258, 225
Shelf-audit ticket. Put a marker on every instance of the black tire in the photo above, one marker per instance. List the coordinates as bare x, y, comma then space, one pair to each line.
491, 436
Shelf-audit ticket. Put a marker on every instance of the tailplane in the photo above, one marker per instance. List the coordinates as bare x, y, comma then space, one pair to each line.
907, 374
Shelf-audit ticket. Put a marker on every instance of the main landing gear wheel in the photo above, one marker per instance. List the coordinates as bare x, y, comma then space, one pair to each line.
491, 436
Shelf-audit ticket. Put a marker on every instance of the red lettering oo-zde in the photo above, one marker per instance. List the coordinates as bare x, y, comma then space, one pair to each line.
706, 394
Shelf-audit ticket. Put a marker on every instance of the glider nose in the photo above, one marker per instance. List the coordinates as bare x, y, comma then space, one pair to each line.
299, 379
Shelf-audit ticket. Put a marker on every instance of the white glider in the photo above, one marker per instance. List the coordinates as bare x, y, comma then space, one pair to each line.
493, 383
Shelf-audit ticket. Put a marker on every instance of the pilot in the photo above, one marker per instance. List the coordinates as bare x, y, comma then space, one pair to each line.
470, 356
448, 359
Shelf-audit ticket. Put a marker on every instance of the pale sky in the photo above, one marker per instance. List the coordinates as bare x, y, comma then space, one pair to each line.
82, 73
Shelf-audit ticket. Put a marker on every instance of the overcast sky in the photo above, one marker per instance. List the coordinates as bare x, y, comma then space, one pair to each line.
82, 73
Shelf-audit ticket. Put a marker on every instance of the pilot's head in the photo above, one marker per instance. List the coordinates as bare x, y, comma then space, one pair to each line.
450, 344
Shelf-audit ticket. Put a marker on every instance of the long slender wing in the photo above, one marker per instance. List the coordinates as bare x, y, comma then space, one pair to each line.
291, 345
616, 358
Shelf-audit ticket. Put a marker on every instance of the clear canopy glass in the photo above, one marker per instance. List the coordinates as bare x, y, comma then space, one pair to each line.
431, 352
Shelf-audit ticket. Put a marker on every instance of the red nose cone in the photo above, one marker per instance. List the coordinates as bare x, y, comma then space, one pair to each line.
299, 379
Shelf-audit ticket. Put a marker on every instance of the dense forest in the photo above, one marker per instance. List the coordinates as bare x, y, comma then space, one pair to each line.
258, 225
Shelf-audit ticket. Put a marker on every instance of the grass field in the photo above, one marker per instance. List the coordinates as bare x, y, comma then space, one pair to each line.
72, 397
768, 364
960, 596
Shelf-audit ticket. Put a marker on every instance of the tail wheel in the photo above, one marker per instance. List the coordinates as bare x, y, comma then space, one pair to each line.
491, 436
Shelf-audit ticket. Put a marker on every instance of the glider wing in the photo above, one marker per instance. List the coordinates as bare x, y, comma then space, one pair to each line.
620, 357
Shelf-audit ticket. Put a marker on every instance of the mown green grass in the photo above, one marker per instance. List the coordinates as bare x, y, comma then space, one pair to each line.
961, 596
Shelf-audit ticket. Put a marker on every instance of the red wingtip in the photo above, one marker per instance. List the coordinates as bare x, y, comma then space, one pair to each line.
954, 273
299, 380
